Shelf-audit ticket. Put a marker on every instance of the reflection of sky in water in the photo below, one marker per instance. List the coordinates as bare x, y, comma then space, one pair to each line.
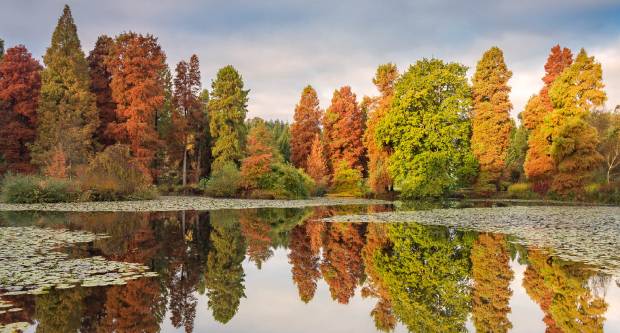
273, 305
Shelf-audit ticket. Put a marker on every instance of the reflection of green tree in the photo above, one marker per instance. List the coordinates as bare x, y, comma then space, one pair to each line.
60, 311
491, 290
426, 274
225, 276
562, 290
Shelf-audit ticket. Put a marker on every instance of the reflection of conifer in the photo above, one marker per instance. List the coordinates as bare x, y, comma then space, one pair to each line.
491, 290
562, 290
256, 232
304, 262
342, 265
60, 311
225, 276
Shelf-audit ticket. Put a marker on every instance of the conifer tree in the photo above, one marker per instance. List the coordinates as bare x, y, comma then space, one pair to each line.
316, 164
101, 78
67, 112
1, 48
539, 164
20, 83
138, 90
227, 110
491, 123
343, 125
188, 120
306, 126
379, 178
576, 92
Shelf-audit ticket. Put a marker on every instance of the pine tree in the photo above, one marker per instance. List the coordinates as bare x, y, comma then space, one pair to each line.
101, 78
306, 126
343, 125
227, 110
188, 120
491, 123
539, 164
1, 48
20, 83
379, 178
67, 112
576, 92
138, 90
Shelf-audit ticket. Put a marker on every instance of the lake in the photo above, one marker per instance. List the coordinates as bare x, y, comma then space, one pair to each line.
288, 270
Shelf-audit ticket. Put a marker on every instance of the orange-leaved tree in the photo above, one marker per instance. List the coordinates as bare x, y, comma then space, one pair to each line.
539, 165
491, 123
306, 126
20, 83
138, 90
317, 165
343, 126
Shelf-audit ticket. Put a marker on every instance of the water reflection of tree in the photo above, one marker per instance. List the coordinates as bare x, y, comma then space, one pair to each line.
376, 242
426, 272
563, 292
342, 265
304, 261
60, 311
491, 275
224, 277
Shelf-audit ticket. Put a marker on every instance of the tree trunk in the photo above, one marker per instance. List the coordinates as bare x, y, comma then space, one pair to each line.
184, 166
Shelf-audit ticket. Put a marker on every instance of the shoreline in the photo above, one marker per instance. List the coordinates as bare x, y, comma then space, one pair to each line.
180, 203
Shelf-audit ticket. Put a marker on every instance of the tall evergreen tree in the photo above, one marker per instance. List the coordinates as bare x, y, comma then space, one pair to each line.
491, 123
379, 178
538, 162
138, 90
67, 112
576, 92
227, 110
1, 48
343, 125
306, 125
101, 78
20, 83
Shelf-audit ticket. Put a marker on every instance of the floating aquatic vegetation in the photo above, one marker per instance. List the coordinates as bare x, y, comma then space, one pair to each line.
589, 235
30, 263
14, 327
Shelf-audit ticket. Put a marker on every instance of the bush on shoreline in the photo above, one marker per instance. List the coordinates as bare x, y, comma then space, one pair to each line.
36, 189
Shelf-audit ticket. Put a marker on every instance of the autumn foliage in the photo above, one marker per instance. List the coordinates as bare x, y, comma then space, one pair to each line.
20, 84
305, 127
491, 123
100, 78
379, 178
137, 88
343, 126
316, 164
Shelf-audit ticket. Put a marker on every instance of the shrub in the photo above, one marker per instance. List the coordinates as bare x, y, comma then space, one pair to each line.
282, 181
35, 189
348, 182
605, 193
521, 191
224, 182
114, 175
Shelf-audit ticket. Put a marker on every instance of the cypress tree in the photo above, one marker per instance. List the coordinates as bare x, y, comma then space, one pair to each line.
306, 126
100, 78
67, 112
227, 111
20, 82
576, 92
1, 48
491, 124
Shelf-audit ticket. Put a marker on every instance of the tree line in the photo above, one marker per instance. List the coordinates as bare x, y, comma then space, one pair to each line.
428, 133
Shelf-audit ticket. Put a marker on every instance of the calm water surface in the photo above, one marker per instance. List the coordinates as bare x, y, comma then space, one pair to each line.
281, 270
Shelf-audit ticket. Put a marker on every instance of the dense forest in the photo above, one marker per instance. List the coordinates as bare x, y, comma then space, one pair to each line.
119, 124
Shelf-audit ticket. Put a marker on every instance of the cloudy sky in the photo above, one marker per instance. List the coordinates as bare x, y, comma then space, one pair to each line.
279, 46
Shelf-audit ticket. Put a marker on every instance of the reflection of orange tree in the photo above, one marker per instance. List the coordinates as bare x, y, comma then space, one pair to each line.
224, 277
304, 261
491, 289
376, 241
135, 307
563, 293
342, 265
426, 272
256, 232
